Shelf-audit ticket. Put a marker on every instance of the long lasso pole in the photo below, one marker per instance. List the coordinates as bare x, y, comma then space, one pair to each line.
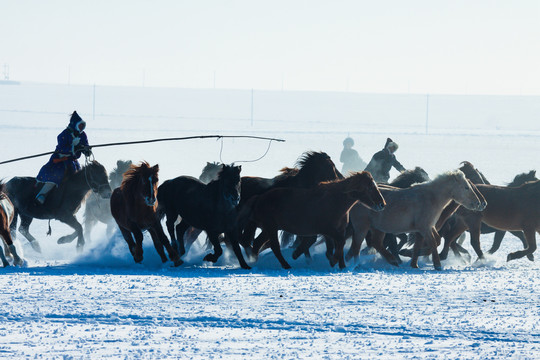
152, 141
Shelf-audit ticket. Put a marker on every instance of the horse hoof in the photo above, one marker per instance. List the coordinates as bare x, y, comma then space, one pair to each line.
35, 246
438, 267
246, 267
178, 262
286, 266
295, 255
210, 257
530, 257
414, 266
6, 264
509, 257
65, 239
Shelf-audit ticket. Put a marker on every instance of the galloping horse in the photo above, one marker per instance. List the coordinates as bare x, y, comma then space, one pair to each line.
98, 209
6, 217
509, 209
310, 169
133, 206
210, 207
322, 209
61, 204
414, 209
456, 225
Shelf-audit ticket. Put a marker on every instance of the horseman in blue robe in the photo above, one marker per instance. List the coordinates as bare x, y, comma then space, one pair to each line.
72, 142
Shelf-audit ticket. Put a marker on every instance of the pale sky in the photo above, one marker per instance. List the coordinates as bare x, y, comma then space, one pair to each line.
384, 46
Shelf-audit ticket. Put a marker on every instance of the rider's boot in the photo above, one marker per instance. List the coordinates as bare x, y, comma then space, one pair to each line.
42, 195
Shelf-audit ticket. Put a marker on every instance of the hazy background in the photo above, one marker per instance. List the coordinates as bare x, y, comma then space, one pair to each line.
388, 46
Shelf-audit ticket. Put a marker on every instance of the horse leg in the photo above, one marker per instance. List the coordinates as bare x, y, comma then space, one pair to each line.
192, 234
390, 242
66, 239
5, 234
248, 234
339, 242
24, 230
214, 239
305, 242
475, 240
259, 242
450, 237
180, 233
89, 222
402, 241
357, 238
286, 239
377, 242
138, 249
330, 248
519, 235
416, 251
5, 263
530, 236
435, 239
131, 244
72, 221
164, 242
171, 219
274, 245
233, 236
158, 245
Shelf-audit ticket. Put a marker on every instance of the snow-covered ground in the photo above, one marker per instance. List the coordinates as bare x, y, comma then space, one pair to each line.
101, 304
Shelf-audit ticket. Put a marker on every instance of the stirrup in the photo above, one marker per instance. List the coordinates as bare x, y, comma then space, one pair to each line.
40, 199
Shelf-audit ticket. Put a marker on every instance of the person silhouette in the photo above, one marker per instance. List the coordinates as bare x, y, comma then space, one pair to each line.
349, 157
383, 160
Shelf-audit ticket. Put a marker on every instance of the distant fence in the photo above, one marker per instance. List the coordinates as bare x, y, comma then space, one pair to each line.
263, 110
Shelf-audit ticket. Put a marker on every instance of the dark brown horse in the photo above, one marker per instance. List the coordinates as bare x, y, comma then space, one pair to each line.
310, 169
6, 217
322, 209
454, 227
134, 205
414, 209
509, 209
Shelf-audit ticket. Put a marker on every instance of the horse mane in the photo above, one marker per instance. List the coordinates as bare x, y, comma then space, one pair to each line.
311, 158
134, 172
441, 178
118, 171
2, 189
410, 177
520, 179
346, 182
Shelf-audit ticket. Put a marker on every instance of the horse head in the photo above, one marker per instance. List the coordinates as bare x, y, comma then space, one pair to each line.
315, 167
96, 178
472, 173
465, 192
210, 172
410, 177
229, 178
363, 188
521, 179
141, 181
115, 177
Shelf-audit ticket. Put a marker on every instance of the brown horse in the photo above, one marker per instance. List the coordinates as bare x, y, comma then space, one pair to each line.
414, 209
323, 209
6, 217
509, 209
134, 205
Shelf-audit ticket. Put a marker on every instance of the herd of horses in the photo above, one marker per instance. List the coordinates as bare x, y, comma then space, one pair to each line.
313, 200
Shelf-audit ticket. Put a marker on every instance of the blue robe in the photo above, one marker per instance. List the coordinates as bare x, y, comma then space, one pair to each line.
64, 158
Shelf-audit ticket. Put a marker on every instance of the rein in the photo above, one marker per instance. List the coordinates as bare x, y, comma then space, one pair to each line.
154, 140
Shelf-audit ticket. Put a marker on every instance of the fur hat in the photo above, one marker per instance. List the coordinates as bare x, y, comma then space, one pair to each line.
75, 121
348, 140
390, 143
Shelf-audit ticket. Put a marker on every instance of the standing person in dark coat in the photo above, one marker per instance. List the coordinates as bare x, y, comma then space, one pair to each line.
382, 161
72, 142
350, 158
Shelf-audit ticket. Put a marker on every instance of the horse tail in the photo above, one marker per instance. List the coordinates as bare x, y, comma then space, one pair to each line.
49, 232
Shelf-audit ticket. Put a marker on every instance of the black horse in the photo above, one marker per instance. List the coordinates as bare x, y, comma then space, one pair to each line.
61, 204
210, 207
98, 209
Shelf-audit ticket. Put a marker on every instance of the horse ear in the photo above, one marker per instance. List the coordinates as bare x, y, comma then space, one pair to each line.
155, 167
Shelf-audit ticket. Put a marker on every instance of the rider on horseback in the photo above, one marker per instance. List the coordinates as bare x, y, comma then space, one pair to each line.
72, 142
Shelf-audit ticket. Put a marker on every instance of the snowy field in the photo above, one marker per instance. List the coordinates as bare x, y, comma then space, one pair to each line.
100, 304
